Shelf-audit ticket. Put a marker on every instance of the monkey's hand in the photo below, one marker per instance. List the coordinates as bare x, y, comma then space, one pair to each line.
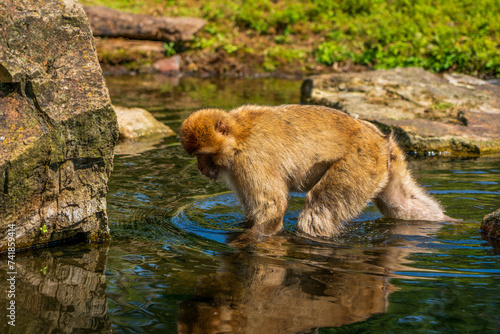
257, 233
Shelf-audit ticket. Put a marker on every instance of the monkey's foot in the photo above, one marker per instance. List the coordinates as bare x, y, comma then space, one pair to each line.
247, 238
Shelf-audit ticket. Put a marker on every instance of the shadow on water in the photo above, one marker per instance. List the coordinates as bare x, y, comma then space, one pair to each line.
169, 267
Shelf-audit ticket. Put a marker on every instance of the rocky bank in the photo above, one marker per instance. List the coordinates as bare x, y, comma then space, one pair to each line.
57, 126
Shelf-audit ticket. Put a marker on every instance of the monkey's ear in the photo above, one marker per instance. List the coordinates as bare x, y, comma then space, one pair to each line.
222, 128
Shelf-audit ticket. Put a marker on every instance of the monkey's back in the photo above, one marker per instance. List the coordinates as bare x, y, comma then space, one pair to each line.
302, 141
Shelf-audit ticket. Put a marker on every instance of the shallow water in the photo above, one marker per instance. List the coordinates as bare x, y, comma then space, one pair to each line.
169, 268
380, 276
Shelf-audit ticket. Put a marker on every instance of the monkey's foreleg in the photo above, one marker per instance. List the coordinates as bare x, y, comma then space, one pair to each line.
264, 208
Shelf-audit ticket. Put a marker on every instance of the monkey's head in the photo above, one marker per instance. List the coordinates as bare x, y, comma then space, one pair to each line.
208, 135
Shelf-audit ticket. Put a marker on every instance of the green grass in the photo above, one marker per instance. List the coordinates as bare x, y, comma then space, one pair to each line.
283, 35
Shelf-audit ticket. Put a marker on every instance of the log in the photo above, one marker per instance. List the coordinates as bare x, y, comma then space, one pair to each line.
107, 22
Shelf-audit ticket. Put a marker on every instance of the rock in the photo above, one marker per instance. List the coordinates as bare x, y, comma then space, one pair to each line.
108, 22
170, 65
491, 224
451, 114
137, 123
57, 126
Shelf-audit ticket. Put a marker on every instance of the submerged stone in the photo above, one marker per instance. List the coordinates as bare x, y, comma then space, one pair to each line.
57, 126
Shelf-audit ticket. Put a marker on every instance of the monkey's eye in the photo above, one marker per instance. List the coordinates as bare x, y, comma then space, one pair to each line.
204, 155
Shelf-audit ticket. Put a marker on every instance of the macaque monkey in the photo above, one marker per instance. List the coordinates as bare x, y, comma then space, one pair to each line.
264, 152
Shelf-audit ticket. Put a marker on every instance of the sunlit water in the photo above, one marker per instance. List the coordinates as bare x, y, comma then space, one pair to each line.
169, 267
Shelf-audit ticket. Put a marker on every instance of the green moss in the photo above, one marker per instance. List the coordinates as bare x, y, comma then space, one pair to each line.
93, 134
440, 35
31, 162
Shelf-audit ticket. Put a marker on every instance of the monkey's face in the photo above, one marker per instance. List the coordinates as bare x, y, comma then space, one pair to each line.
207, 165
207, 135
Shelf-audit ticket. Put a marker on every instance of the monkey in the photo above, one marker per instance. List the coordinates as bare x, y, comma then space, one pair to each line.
263, 153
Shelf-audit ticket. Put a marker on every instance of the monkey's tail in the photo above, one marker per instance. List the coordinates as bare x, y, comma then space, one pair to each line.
402, 197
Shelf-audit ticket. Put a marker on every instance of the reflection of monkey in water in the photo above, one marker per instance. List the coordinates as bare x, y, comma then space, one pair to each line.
261, 294
263, 153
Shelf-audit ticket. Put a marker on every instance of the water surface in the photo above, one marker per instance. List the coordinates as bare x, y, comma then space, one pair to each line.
381, 275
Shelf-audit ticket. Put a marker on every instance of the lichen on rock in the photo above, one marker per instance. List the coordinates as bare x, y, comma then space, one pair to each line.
57, 125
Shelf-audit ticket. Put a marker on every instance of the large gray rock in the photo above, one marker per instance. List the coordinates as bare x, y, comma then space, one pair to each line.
57, 125
491, 224
451, 114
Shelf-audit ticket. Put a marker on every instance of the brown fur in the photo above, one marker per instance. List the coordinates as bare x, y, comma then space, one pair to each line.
263, 153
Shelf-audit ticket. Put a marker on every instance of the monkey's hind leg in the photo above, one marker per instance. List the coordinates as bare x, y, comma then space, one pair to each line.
340, 195
403, 198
